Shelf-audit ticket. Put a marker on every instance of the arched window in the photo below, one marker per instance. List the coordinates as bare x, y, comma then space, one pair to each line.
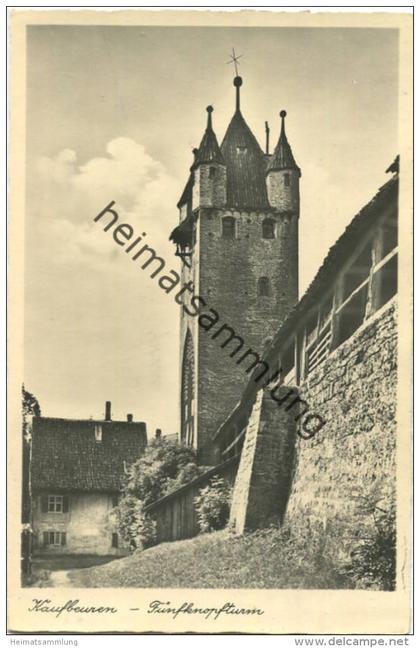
187, 392
228, 227
268, 228
263, 287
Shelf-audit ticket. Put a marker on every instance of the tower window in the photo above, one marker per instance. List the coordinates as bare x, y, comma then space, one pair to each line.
268, 228
263, 287
287, 179
212, 172
228, 227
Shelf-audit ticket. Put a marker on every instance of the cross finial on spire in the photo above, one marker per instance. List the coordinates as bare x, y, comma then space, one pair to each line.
237, 81
235, 60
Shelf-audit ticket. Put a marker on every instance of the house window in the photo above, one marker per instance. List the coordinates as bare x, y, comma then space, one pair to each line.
268, 228
263, 288
54, 538
228, 227
287, 179
98, 433
54, 504
114, 541
114, 501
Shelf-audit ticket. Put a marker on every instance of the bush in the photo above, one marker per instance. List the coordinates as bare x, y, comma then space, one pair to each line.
163, 464
136, 527
372, 559
213, 505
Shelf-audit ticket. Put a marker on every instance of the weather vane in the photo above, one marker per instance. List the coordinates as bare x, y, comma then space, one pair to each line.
235, 60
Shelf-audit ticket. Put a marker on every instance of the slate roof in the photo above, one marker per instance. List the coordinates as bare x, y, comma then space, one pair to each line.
245, 163
208, 150
66, 456
245, 166
283, 156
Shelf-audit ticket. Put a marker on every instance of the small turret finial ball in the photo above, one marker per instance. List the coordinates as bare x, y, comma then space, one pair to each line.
283, 113
237, 81
209, 109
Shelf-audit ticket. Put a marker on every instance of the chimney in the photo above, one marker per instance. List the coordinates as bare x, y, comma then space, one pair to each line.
108, 411
129, 418
158, 434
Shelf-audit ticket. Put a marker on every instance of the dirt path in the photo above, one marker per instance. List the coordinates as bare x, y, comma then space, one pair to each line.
59, 579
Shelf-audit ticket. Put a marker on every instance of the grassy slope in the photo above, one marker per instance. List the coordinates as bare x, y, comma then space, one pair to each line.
258, 560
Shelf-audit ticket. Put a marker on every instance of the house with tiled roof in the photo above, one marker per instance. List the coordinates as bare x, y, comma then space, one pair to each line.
77, 473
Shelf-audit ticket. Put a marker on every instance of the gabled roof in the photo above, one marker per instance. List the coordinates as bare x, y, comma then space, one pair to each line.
66, 456
283, 156
245, 166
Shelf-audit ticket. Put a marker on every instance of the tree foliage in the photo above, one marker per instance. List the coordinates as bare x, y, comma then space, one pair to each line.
164, 467
30, 407
213, 505
135, 526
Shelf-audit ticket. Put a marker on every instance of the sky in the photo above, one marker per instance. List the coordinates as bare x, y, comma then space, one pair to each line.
112, 115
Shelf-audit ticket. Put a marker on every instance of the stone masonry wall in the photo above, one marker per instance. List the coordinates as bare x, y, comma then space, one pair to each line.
322, 479
282, 196
209, 188
354, 391
228, 276
263, 478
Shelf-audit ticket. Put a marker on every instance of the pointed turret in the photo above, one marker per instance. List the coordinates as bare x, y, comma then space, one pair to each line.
209, 170
282, 176
283, 156
209, 150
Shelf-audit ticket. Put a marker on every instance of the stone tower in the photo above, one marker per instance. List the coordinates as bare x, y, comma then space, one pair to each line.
238, 240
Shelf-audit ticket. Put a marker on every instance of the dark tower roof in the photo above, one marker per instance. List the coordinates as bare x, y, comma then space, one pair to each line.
283, 156
209, 150
245, 163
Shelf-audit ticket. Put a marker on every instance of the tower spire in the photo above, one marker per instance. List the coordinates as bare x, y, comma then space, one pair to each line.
283, 156
209, 150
